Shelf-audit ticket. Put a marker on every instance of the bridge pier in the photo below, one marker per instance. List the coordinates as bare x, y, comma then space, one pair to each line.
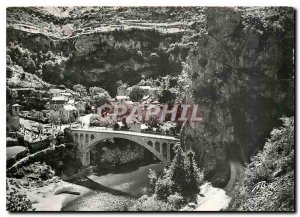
85, 158
161, 149
168, 153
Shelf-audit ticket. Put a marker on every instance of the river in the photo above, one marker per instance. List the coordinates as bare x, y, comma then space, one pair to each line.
133, 182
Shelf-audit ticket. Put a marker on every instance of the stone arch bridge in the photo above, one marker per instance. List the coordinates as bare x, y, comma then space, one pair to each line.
158, 145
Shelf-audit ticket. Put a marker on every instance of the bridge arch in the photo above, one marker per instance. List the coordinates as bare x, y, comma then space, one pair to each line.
157, 146
142, 143
81, 138
86, 138
164, 149
76, 137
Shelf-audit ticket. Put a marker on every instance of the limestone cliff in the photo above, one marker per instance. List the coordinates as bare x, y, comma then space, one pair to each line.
97, 46
242, 74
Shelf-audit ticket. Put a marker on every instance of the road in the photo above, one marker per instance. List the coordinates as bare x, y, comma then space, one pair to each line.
235, 168
132, 133
216, 199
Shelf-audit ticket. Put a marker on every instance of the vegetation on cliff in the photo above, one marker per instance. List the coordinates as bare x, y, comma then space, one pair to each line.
268, 181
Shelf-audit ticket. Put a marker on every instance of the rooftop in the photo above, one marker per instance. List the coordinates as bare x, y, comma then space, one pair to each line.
59, 98
71, 101
122, 97
145, 87
69, 108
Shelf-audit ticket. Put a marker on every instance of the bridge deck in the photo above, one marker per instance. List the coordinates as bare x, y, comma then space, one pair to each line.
110, 130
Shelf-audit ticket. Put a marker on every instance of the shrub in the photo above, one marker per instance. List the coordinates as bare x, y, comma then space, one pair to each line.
146, 203
136, 94
176, 200
164, 188
268, 181
34, 169
152, 181
17, 202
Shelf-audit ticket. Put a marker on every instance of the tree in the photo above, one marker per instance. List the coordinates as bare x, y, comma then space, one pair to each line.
80, 89
53, 117
167, 97
100, 99
64, 116
178, 185
136, 94
165, 82
28, 64
116, 126
194, 177
52, 70
182, 177
97, 90
119, 83
152, 181
177, 171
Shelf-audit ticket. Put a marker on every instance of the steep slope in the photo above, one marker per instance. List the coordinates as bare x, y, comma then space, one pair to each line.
101, 45
268, 182
242, 74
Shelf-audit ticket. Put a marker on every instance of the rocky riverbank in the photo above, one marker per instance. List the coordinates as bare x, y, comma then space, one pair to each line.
51, 195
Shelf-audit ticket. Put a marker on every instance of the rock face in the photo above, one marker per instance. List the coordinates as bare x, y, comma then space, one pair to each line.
242, 74
99, 46
216, 19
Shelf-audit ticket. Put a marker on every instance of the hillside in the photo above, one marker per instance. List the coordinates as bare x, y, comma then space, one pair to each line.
99, 46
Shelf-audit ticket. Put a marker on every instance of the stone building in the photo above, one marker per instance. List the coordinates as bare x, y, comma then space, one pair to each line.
57, 102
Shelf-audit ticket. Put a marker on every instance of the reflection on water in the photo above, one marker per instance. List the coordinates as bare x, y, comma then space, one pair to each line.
130, 181
134, 182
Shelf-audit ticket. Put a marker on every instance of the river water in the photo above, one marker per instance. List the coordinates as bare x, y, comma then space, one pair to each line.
132, 181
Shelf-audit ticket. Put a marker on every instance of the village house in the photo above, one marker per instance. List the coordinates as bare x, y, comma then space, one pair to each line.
122, 98
71, 102
57, 102
128, 90
152, 92
146, 89
69, 94
80, 106
69, 112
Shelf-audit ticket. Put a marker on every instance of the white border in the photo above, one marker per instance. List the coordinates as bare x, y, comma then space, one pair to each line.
6, 3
